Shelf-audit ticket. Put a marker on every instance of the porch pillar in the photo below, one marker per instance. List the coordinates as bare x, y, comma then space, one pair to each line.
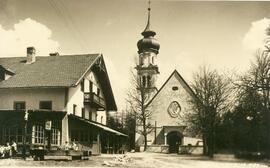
64, 130
108, 145
165, 136
113, 147
99, 143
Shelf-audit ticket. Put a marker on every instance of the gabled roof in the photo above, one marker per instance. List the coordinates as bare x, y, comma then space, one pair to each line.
56, 72
49, 71
181, 79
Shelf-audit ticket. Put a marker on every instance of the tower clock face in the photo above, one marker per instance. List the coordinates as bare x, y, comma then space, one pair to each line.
174, 109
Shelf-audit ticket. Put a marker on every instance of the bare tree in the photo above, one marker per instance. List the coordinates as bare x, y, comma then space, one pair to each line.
258, 79
212, 93
138, 97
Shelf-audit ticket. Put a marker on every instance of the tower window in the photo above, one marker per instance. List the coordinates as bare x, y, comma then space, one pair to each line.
149, 81
153, 60
144, 81
141, 60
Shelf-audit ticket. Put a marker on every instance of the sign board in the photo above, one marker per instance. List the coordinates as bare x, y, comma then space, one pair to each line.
48, 125
26, 116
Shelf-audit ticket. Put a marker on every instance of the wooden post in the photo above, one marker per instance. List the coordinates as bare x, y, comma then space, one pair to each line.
155, 140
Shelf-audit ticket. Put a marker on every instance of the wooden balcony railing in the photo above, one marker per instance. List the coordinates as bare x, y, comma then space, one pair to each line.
94, 100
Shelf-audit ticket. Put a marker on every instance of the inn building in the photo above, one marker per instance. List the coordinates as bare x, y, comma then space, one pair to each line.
46, 101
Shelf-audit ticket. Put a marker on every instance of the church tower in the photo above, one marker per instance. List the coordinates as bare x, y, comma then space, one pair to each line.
148, 48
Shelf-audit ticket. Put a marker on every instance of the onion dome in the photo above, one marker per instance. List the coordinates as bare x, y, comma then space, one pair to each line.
148, 42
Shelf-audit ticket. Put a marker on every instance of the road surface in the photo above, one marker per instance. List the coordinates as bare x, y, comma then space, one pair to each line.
142, 160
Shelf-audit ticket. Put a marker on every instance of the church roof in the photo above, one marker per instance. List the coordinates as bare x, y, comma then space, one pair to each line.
180, 78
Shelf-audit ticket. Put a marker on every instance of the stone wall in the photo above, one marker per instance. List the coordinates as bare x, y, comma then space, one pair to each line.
158, 148
188, 149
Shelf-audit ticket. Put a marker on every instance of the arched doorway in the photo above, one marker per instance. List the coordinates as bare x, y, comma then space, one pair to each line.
174, 141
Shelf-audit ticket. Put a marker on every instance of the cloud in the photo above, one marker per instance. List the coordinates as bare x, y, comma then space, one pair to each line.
28, 32
109, 22
256, 35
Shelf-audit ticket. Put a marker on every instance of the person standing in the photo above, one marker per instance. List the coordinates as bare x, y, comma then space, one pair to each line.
7, 150
2, 151
74, 146
14, 148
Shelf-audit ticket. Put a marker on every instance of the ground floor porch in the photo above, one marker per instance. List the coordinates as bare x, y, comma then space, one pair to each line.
50, 131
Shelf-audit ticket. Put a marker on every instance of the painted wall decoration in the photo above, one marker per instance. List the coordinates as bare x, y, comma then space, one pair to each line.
174, 109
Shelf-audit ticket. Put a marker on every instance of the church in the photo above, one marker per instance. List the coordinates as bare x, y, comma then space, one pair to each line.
167, 104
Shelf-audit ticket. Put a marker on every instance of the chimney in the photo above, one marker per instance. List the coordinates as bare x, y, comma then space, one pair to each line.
31, 55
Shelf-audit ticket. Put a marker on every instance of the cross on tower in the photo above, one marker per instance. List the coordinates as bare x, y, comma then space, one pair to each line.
148, 48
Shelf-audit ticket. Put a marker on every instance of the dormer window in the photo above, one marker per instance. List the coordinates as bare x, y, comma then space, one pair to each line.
5, 73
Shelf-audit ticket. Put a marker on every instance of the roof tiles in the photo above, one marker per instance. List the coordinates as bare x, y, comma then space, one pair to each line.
49, 71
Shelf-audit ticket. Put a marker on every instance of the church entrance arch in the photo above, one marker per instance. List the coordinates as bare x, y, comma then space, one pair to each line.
174, 141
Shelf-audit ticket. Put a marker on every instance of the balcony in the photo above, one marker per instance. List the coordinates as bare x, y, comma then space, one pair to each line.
94, 100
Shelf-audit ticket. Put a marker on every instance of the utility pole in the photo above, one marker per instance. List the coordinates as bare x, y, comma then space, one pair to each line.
24, 134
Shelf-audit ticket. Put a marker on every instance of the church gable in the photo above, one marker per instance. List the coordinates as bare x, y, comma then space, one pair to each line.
171, 102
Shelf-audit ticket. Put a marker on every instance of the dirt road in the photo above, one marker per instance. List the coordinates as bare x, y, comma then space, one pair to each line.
142, 160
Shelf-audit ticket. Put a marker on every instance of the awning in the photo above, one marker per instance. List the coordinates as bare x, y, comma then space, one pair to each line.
98, 125
46, 114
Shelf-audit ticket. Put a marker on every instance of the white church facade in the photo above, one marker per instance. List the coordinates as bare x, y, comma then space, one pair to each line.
168, 105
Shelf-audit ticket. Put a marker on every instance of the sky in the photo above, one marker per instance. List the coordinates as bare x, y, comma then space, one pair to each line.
222, 35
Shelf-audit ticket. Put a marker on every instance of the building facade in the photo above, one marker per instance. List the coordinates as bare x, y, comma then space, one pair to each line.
50, 100
167, 105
